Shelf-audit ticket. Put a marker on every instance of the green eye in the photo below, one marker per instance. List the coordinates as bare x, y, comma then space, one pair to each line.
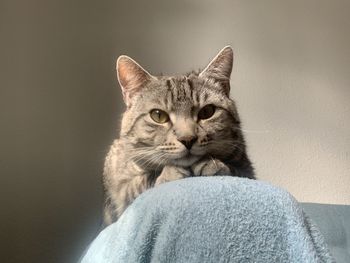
206, 112
159, 116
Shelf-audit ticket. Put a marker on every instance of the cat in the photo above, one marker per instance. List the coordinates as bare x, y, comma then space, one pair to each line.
173, 127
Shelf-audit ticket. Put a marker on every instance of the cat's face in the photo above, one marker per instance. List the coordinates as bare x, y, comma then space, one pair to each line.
178, 120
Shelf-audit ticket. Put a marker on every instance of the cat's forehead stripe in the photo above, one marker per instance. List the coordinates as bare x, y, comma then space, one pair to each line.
168, 84
183, 90
181, 93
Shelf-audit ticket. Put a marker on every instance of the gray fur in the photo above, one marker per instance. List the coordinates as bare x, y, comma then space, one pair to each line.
148, 153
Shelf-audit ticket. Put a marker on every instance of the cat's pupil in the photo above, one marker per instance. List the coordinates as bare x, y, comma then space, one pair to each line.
206, 112
159, 116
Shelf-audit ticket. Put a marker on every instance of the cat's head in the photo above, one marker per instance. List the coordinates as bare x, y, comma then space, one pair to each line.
179, 119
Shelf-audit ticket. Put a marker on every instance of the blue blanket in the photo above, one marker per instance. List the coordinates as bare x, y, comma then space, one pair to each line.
211, 219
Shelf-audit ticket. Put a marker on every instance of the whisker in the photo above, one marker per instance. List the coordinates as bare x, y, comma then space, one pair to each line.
141, 155
150, 158
162, 159
158, 159
144, 157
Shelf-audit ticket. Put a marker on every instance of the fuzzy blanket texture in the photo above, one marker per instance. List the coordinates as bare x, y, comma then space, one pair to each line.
211, 219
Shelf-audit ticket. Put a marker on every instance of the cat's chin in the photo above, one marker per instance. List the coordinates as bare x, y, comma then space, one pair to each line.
186, 160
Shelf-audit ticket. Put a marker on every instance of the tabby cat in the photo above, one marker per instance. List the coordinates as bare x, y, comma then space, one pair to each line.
173, 127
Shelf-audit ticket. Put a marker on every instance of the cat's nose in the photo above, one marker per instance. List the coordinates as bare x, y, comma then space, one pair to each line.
188, 141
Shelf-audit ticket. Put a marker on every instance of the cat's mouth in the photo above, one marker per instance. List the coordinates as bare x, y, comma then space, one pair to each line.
185, 159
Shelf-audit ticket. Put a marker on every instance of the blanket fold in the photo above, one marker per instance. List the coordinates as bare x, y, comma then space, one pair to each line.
211, 219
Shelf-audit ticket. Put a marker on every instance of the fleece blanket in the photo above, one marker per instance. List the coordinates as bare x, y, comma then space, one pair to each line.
211, 219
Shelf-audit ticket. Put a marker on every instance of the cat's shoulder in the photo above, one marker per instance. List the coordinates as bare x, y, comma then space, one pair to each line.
114, 157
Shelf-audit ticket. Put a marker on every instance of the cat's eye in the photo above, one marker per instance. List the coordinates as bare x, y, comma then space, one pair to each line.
159, 116
206, 112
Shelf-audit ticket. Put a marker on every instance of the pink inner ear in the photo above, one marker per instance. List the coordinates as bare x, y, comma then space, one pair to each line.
130, 74
132, 77
122, 72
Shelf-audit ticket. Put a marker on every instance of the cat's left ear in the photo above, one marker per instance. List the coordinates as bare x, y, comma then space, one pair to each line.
220, 68
131, 76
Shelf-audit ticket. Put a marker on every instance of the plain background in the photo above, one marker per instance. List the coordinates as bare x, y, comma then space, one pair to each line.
60, 102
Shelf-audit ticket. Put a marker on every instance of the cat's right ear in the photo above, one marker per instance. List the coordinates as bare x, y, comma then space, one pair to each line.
131, 76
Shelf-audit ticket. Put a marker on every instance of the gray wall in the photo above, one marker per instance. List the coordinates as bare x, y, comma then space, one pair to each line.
60, 104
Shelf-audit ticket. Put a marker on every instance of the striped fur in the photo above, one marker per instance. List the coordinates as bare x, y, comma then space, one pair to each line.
148, 153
